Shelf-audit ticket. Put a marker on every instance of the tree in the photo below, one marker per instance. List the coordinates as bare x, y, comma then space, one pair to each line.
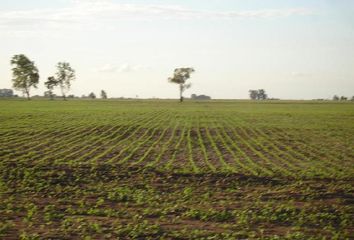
50, 84
253, 94
103, 94
343, 98
258, 94
352, 99
65, 76
25, 74
180, 76
262, 95
335, 98
92, 95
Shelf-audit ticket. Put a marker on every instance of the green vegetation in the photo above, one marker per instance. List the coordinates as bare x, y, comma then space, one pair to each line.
109, 169
25, 74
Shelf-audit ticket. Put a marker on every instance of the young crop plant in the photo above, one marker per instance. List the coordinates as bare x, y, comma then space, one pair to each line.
144, 141
132, 130
293, 169
190, 152
226, 167
176, 149
204, 150
257, 152
164, 148
322, 165
300, 159
60, 175
58, 149
153, 146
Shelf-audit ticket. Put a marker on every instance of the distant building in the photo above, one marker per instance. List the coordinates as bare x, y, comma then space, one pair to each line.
200, 97
6, 92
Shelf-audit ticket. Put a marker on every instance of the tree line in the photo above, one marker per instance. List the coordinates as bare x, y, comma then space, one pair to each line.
26, 75
342, 98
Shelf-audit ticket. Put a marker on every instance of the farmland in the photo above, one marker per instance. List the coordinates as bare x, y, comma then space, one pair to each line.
164, 170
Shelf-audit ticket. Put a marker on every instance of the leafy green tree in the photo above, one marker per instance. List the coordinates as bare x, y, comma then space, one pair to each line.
258, 94
103, 94
253, 94
180, 76
343, 98
262, 94
25, 74
50, 84
92, 95
65, 75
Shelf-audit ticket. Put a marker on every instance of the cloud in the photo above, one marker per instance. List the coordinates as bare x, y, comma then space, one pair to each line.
122, 68
104, 10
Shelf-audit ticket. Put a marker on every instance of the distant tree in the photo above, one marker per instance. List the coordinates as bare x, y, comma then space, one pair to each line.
65, 75
253, 94
25, 74
6, 93
352, 99
200, 97
92, 95
180, 76
50, 84
262, 94
335, 98
259, 94
343, 98
103, 94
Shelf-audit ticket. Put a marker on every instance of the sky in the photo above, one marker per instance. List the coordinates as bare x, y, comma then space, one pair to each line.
294, 49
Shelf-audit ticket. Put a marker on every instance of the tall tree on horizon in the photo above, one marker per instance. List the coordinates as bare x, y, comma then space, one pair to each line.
65, 76
25, 74
50, 84
180, 76
103, 94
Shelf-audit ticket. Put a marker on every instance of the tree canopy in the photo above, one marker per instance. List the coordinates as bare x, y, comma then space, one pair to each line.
103, 94
65, 75
258, 94
180, 76
50, 84
25, 74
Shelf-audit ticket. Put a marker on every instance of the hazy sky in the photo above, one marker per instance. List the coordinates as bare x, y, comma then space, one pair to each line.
292, 48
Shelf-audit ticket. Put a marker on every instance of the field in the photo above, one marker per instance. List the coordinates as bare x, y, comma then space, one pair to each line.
165, 170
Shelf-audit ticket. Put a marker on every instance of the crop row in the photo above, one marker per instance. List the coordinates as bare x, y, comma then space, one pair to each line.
156, 139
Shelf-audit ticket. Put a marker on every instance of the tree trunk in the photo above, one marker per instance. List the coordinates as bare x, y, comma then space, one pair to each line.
62, 92
180, 93
28, 95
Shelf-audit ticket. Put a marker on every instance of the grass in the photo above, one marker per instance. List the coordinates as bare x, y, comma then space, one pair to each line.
165, 170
